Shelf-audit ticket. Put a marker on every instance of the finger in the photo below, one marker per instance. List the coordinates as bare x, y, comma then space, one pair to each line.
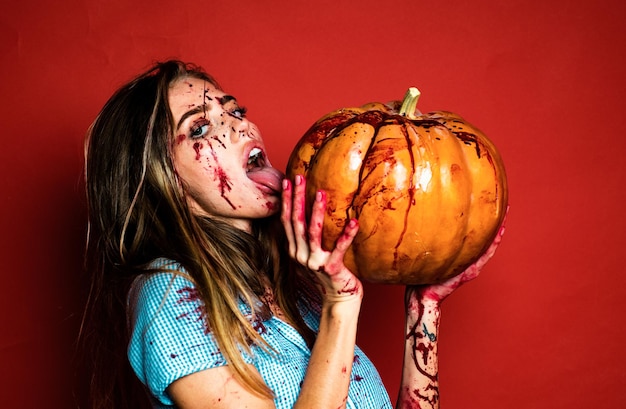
285, 217
298, 219
316, 222
343, 244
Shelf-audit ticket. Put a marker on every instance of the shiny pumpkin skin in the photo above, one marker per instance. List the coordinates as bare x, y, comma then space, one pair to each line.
429, 192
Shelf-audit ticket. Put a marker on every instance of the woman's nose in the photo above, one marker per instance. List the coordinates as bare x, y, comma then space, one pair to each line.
245, 129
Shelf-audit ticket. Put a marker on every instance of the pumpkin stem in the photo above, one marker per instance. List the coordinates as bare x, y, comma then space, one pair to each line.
410, 103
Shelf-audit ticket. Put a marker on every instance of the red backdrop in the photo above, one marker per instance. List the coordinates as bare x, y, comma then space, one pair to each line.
542, 327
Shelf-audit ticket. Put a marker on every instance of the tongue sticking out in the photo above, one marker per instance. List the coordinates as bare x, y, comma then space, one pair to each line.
267, 176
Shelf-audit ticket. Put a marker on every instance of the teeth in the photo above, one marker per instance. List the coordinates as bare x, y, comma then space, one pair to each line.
254, 155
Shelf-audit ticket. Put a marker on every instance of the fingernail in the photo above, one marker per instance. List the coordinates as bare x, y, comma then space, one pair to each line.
285, 184
298, 179
318, 196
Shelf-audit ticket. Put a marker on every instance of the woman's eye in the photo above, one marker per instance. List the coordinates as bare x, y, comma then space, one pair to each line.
199, 130
239, 112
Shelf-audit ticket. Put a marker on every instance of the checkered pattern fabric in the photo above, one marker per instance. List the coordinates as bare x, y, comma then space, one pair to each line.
169, 340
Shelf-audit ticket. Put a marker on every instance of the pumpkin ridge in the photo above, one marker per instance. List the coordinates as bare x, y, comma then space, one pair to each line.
411, 193
377, 120
361, 178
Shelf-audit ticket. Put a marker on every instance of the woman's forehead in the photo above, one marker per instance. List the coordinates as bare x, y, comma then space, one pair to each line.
187, 93
193, 88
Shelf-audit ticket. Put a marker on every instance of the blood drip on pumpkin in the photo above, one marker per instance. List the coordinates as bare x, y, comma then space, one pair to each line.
371, 160
411, 189
468, 139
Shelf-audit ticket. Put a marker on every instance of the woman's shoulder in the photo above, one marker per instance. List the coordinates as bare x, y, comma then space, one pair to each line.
163, 282
160, 276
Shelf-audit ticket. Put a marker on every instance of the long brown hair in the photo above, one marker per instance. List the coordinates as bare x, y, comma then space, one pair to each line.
138, 212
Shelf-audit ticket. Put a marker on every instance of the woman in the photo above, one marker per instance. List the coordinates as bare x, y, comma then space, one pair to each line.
198, 243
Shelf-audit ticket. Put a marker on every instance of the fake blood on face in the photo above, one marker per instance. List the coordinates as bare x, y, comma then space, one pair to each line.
270, 206
225, 184
196, 147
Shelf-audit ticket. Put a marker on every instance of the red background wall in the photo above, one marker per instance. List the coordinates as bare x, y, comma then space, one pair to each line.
543, 327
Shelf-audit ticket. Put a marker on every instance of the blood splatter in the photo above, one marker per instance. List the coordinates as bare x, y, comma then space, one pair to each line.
191, 295
270, 206
351, 287
259, 327
216, 138
188, 294
196, 147
224, 180
469, 139
225, 184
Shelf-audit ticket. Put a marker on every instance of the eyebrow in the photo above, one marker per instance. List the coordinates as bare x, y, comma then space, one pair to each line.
226, 99
202, 108
196, 110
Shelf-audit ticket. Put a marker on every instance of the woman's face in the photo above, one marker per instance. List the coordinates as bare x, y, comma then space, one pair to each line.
220, 157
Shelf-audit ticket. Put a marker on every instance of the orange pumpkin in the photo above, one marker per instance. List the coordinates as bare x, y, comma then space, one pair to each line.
429, 190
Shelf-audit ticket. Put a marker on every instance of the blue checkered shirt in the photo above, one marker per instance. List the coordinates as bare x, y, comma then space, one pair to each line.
169, 340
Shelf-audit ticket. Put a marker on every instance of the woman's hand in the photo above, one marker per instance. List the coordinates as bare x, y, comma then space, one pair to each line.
420, 371
438, 292
328, 374
305, 243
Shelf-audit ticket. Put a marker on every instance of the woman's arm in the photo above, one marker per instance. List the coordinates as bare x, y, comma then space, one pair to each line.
327, 378
215, 388
419, 387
